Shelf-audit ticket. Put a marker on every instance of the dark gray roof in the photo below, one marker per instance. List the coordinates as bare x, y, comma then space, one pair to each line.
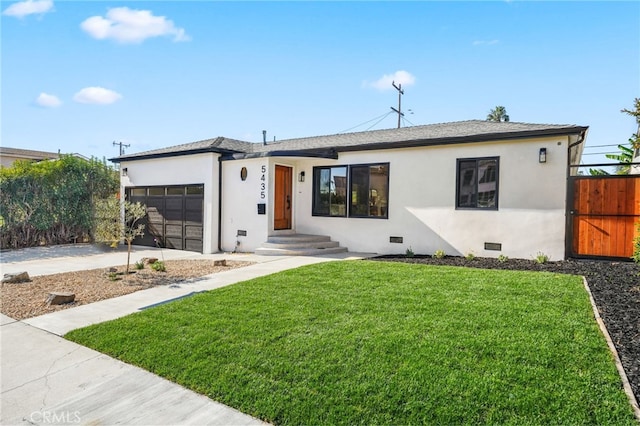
329, 145
220, 145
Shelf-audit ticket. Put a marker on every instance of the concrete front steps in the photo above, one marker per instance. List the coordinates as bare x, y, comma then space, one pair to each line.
299, 245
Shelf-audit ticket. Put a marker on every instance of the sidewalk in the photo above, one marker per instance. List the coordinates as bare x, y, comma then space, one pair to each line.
49, 380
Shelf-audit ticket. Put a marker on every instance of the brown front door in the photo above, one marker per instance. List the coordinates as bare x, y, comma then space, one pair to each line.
282, 198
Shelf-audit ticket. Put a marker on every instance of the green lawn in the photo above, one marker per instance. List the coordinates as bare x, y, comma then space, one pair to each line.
362, 342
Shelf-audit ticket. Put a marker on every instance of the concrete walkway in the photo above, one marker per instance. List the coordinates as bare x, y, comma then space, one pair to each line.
46, 379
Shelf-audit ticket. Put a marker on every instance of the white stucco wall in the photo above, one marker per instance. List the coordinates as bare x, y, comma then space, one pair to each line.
182, 170
240, 204
241, 198
422, 187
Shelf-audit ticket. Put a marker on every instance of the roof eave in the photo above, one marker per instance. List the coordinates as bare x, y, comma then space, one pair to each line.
329, 153
152, 156
465, 139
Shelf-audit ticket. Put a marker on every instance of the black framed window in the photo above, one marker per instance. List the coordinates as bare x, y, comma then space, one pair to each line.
364, 189
369, 190
330, 191
477, 183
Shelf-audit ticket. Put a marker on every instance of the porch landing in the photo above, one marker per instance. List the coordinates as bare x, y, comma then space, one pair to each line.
299, 245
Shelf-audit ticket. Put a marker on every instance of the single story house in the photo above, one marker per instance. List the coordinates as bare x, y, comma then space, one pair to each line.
481, 187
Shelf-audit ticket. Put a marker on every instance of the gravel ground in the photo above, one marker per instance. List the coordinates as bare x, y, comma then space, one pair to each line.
615, 287
26, 300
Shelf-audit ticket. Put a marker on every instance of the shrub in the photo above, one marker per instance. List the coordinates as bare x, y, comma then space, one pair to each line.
470, 256
439, 254
139, 264
50, 202
158, 266
541, 258
409, 252
502, 258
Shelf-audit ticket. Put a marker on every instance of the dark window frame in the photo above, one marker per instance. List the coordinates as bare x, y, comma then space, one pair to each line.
349, 168
477, 160
350, 190
316, 178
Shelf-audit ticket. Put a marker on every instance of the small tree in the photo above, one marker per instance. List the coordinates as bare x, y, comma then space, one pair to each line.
110, 229
107, 227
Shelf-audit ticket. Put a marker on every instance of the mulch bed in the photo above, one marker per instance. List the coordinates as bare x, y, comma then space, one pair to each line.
615, 287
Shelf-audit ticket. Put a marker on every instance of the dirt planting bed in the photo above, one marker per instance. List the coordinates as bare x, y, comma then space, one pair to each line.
26, 300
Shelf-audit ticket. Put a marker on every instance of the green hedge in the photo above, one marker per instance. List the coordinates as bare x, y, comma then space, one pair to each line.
51, 202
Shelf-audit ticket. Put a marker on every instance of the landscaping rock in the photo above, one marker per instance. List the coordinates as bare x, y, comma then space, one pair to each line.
110, 270
20, 277
222, 262
60, 298
150, 260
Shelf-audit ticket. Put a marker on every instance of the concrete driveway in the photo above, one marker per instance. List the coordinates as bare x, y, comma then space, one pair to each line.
46, 379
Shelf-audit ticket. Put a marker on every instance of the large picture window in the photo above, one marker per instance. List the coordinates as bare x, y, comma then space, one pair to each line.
354, 191
477, 183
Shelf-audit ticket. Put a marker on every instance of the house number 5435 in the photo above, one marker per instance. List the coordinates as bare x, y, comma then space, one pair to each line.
263, 180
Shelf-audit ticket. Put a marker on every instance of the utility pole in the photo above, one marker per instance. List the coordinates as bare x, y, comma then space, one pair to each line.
122, 146
400, 93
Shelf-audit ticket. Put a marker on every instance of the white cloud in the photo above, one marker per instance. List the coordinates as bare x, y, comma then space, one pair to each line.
131, 26
384, 83
28, 7
48, 101
97, 95
485, 42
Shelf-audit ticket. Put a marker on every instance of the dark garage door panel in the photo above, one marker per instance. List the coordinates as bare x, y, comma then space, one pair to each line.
193, 245
193, 232
173, 203
173, 220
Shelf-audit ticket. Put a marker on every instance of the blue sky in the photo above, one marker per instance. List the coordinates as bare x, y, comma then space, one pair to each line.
78, 75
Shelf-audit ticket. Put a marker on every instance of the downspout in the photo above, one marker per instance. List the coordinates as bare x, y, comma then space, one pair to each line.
220, 203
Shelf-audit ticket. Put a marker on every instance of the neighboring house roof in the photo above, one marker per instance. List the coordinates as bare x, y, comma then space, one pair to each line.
28, 153
328, 146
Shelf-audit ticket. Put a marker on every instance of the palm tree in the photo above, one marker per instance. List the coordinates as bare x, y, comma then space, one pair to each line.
499, 113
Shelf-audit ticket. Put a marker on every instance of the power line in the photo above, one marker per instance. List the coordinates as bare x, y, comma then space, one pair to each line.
602, 146
405, 119
366, 122
599, 153
374, 124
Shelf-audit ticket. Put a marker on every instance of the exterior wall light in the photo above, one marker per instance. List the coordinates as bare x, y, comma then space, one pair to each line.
125, 171
301, 177
542, 155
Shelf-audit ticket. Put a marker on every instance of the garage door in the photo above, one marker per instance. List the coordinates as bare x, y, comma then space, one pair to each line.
174, 216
